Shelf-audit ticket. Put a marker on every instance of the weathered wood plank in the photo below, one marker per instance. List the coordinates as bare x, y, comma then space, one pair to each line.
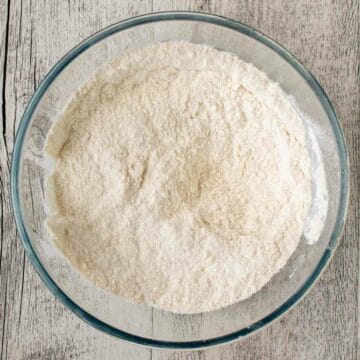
324, 35
36, 325
182, 5
3, 160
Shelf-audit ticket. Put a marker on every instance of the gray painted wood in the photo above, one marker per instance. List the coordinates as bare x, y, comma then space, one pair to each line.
324, 35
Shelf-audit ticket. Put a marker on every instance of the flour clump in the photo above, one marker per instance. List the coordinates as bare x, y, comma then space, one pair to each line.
182, 178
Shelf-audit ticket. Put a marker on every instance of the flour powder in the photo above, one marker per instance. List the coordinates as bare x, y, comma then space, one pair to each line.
182, 178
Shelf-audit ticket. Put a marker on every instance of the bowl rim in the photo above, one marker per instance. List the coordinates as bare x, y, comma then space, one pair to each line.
170, 16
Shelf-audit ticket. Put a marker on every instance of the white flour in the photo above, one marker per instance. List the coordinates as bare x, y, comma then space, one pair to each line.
182, 178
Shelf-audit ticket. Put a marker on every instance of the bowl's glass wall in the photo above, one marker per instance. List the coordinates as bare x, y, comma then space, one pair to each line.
142, 320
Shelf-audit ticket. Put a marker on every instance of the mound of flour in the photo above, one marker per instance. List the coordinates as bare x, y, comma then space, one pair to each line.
182, 178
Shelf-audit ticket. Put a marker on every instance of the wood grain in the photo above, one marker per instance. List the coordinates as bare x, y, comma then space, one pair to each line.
324, 35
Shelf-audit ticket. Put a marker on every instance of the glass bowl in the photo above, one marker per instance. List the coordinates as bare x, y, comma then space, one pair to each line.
139, 323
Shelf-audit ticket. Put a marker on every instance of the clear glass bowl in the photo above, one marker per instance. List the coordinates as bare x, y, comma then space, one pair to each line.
138, 323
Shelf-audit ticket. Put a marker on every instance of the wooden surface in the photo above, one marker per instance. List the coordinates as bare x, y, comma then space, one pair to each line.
324, 35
